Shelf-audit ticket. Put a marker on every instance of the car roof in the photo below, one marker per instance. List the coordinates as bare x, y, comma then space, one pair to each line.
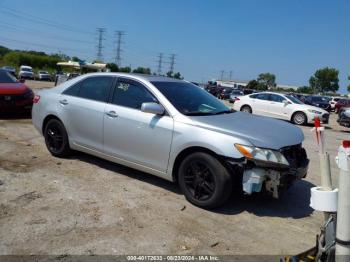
149, 78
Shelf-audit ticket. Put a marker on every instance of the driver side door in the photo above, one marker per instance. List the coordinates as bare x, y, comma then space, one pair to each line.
141, 139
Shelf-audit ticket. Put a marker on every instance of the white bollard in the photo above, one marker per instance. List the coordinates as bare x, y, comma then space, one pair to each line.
325, 167
343, 216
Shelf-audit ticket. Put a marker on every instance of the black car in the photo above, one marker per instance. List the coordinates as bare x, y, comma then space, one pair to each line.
344, 117
318, 101
225, 93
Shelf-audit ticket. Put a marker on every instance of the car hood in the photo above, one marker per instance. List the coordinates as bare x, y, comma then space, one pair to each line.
12, 88
260, 131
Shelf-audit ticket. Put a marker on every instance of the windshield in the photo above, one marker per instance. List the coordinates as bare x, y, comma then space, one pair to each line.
191, 100
294, 99
26, 69
5, 77
43, 72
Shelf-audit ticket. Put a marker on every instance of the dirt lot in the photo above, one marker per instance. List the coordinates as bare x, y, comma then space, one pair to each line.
84, 205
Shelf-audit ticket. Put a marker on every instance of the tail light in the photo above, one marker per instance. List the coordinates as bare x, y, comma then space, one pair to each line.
36, 99
237, 99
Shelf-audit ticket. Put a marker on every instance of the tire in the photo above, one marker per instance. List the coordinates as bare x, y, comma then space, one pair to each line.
246, 109
204, 181
299, 118
56, 138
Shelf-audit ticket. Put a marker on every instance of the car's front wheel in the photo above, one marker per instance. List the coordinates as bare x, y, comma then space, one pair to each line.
299, 118
246, 109
56, 138
204, 181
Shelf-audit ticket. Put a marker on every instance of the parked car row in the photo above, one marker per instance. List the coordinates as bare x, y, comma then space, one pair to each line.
26, 72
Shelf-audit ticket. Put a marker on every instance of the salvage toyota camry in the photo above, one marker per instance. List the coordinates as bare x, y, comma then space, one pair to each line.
172, 129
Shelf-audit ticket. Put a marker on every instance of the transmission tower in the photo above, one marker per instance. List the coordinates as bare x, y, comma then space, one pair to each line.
160, 63
100, 38
118, 58
172, 62
222, 74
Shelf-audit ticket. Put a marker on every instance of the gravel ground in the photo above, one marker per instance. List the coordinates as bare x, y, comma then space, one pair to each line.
85, 205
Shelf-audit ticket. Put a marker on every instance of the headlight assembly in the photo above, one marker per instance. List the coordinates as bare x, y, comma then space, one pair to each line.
262, 154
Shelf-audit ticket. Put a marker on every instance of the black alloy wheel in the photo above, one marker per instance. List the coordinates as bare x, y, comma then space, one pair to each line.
56, 138
204, 181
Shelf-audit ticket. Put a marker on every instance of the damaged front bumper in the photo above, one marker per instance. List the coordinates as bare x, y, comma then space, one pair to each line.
273, 178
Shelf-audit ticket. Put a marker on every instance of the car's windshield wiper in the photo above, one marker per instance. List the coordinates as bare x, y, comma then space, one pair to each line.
199, 113
223, 112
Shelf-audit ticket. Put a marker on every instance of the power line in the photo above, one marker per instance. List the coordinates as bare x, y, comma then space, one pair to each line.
118, 58
160, 61
222, 74
41, 34
172, 62
231, 72
34, 19
100, 37
39, 45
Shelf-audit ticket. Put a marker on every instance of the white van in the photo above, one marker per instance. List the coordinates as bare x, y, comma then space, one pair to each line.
26, 72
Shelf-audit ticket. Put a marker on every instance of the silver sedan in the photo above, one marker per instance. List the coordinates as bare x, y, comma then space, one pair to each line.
172, 129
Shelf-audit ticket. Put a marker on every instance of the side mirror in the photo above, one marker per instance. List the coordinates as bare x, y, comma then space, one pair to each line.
152, 108
21, 80
285, 102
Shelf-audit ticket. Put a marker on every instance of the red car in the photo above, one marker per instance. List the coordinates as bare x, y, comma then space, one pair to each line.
341, 103
15, 96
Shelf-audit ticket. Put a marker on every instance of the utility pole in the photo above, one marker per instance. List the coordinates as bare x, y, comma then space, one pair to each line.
222, 74
172, 62
118, 58
160, 61
231, 74
100, 37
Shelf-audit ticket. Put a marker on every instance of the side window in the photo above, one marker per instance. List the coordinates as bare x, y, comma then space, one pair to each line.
96, 88
73, 90
263, 96
276, 98
253, 96
131, 94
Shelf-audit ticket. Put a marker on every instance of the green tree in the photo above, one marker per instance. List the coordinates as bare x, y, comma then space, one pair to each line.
177, 76
126, 69
142, 70
325, 80
113, 67
267, 80
174, 75
253, 84
305, 90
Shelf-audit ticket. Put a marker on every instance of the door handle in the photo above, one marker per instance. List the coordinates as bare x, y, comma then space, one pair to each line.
112, 114
64, 102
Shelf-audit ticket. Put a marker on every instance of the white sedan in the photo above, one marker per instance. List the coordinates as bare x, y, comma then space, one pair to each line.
280, 106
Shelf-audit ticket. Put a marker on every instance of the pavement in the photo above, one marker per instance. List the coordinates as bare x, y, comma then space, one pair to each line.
84, 205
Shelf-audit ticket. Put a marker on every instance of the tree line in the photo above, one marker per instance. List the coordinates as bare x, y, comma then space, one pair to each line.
324, 80
41, 60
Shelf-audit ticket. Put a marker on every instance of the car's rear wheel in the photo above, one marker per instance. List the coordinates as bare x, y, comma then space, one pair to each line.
56, 138
204, 181
246, 109
299, 118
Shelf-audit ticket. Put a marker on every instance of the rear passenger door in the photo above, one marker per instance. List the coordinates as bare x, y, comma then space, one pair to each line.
82, 110
260, 103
